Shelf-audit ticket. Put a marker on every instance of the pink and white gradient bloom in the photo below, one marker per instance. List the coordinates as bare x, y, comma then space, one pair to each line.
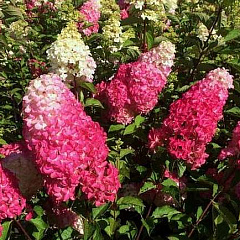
90, 11
193, 119
135, 87
70, 148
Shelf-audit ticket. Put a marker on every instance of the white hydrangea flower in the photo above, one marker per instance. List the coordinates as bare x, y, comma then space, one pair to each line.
202, 32
70, 57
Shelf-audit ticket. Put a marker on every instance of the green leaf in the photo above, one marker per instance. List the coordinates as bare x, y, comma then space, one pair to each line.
199, 212
90, 102
146, 187
215, 189
39, 223
232, 35
96, 212
228, 216
89, 86
38, 235
6, 226
235, 111
164, 211
67, 233
117, 127
89, 229
38, 210
149, 39
181, 168
129, 129
124, 152
131, 201
13, 11
139, 120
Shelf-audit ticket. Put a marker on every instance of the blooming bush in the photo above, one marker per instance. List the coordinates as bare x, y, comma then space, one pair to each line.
119, 119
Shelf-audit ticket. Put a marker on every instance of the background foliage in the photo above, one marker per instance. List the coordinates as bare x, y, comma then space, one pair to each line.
135, 214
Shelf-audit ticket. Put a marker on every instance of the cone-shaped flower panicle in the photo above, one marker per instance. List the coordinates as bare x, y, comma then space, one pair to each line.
90, 14
19, 161
134, 89
233, 148
193, 119
11, 201
70, 57
161, 57
66, 142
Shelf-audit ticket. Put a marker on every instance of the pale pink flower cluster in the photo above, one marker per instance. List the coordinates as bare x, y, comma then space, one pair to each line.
161, 57
70, 148
11, 201
90, 11
135, 87
19, 161
233, 148
193, 119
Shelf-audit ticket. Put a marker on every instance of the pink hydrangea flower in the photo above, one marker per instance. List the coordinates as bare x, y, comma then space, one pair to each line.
233, 148
134, 90
193, 119
90, 11
135, 87
70, 148
19, 161
11, 201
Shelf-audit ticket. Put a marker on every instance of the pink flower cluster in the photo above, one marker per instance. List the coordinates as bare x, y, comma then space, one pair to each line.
11, 201
36, 67
135, 87
233, 148
124, 9
90, 11
42, 6
19, 161
193, 119
69, 147
133, 90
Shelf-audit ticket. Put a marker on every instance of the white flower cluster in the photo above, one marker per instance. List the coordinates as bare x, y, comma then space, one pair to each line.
202, 32
154, 10
70, 57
